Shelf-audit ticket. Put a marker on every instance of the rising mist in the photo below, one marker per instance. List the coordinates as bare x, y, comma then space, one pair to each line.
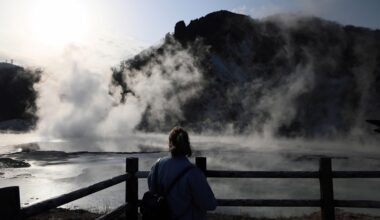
282, 76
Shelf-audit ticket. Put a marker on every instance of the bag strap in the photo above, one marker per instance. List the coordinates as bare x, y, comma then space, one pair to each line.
178, 177
187, 169
155, 177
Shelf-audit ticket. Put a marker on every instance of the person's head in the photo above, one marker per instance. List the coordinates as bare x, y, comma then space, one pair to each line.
179, 143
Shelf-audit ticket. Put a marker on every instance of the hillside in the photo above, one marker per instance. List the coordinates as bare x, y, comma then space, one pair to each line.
17, 97
283, 75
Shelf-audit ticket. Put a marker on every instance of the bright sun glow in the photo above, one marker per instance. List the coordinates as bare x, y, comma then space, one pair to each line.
58, 23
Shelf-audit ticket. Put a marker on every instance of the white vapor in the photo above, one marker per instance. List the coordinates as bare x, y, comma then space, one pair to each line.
75, 99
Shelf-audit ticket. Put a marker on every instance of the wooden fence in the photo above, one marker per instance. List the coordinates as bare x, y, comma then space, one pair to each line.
10, 198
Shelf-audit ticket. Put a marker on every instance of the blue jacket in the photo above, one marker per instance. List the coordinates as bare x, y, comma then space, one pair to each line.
191, 196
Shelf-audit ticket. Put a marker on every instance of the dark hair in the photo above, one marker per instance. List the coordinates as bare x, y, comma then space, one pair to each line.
179, 144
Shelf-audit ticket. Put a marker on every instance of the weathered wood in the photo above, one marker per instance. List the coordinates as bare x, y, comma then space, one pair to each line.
9, 202
45, 205
201, 163
297, 203
325, 175
326, 188
131, 190
114, 213
279, 174
357, 203
356, 174
268, 202
261, 174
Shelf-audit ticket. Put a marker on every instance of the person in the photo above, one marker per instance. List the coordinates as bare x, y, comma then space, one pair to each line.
191, 196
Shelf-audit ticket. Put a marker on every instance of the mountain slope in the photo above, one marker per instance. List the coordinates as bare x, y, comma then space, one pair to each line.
284, 75
17, 97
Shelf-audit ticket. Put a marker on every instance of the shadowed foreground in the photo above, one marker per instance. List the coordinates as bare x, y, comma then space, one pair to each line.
65, 214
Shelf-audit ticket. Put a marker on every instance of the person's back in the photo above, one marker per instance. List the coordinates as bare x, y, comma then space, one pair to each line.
191, 196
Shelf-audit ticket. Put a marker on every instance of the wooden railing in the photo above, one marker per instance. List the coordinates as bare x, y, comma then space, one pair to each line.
10, 198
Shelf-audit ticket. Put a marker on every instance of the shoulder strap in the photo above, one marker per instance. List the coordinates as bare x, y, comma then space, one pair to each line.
155, 177
178, 177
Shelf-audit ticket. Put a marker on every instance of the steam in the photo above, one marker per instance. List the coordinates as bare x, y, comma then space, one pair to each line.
324, 86
75, 101
306, 90
279, 103
167, 82
328, 91
70, 101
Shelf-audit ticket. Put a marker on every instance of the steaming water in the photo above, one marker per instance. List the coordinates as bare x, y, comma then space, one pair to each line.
54, 173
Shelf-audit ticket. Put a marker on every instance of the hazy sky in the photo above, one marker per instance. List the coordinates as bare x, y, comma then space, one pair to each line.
33, 30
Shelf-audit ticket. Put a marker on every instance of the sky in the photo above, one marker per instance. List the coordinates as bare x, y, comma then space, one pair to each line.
33, 31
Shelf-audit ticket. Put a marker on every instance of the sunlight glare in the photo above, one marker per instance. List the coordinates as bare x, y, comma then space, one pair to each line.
58, 23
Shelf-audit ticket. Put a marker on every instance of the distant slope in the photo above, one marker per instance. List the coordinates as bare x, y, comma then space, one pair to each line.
17, 97
284, 75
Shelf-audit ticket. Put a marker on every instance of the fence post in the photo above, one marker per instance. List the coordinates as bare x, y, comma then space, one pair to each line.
131, 189
201, 163
326, 189
9, 202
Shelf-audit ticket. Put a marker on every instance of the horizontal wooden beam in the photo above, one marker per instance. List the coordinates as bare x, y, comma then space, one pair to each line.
357, 203
45, 205
269, 202
356, 174
250, 174
279, 174
261, 174
297, 203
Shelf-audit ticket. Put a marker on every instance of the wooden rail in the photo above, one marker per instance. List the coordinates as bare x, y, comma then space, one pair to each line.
40, 207
13, 211
10, 198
